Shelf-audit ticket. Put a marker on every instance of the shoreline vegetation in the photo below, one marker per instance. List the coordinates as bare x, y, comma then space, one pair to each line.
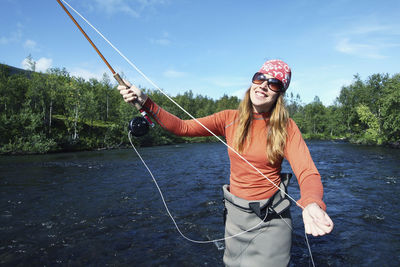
55, 112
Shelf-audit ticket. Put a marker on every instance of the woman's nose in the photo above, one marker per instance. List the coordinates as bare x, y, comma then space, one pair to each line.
264, 85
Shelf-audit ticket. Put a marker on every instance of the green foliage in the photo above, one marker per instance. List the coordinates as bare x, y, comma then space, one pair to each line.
22, 133
372, 133
364, 112
370, 109
390, 110
56, 112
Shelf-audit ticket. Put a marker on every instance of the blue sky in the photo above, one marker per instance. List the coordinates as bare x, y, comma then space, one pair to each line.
210, 47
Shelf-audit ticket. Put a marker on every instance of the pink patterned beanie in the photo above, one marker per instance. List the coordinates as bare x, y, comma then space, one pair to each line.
279, 70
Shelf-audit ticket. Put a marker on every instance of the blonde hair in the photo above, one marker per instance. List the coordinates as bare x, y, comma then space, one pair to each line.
277, 128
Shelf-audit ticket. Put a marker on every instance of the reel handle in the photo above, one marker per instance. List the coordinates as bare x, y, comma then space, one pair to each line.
136, 104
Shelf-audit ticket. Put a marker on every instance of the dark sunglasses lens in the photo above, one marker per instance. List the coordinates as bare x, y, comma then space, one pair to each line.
275, 85
259, 78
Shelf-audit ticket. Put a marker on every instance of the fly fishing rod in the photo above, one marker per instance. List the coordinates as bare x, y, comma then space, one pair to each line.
148, 122
179, 106
138, 126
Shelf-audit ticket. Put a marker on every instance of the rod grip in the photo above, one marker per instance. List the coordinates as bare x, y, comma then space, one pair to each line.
135, 103
119, 79
121, 82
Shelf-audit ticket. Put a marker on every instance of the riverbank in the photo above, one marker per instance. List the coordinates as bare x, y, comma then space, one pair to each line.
190, 141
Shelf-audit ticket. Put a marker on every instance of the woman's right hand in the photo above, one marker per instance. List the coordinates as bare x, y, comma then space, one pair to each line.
132, 94
316, 221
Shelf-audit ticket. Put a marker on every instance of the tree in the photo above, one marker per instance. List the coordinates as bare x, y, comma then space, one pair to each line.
227, 102
293, 104
315, 117
373, 131
50, 111
30, 63
390, 109
72, 107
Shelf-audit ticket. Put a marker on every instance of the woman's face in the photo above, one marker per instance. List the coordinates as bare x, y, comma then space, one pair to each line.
262, 97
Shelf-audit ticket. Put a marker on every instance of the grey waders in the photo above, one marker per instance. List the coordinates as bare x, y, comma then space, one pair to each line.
270, 242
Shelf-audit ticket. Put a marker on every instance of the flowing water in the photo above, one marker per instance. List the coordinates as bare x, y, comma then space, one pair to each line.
102, 208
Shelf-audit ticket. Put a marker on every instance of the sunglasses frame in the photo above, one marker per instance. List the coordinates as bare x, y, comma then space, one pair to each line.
269, 81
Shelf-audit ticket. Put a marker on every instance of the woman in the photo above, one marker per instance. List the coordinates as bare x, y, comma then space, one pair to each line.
262, 132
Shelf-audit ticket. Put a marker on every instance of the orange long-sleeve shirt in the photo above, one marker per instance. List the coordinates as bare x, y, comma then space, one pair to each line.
245, 182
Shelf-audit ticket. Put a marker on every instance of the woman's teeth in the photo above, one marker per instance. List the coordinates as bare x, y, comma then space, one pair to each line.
261, 94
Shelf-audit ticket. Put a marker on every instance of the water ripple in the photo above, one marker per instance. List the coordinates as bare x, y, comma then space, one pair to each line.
102, 208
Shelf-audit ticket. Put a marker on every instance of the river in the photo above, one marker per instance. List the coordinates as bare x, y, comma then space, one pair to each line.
102, 208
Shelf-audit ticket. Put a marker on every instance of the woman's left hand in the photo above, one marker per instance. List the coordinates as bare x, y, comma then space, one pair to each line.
316, 220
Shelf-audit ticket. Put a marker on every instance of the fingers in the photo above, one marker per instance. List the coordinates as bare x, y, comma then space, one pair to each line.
130, 97
307, 227
326, 225
323, 221
312, 226
321, 218
125, 86
316, 230
127, 92
317, 222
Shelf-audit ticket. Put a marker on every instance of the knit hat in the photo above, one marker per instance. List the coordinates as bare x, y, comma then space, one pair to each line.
279, 70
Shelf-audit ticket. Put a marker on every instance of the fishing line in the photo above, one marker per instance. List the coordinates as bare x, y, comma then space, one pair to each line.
173, 101
172, 218
213, 240
191, 116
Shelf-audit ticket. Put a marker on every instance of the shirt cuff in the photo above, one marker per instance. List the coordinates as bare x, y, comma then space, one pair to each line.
305, 201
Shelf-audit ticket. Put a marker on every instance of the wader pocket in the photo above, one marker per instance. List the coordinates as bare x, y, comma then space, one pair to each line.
276, 205
280, 202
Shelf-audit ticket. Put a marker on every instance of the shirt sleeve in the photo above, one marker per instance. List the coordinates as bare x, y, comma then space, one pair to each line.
299, 157
215, 123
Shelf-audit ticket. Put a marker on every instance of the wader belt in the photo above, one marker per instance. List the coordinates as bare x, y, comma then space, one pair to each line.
276, 204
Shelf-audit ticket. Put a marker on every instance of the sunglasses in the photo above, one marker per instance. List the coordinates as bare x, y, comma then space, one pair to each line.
273, 83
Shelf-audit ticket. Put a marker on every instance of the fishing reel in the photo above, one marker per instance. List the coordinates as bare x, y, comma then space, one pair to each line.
138, 126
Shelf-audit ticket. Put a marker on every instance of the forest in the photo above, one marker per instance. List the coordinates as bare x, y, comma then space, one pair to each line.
54, 112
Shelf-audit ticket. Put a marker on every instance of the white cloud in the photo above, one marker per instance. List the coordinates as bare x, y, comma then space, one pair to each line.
332, 90
230, 85
41, 65
88, 74
163, 40
229, 82
344, 47
239, 93
327, 88
369, 29
133, 8
14, 37
360, 49
25, 64
152, 2
112, 7
173, 73
30, 44
368, 41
